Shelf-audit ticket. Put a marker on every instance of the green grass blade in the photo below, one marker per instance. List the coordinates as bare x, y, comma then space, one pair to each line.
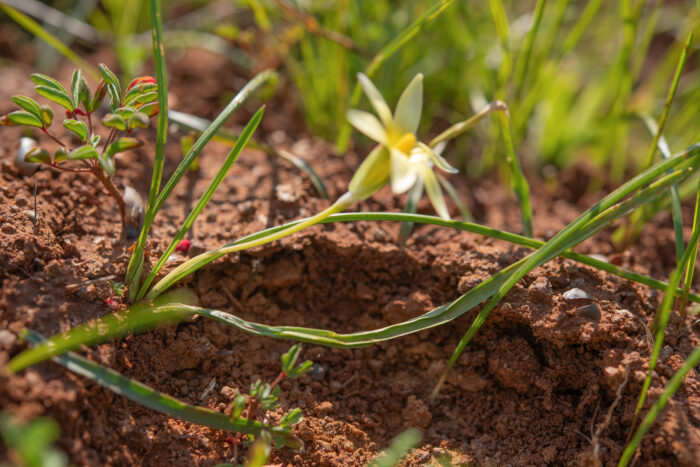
155, 400
224, 136
662, 317
518, 181
669, 100
135, 267
207, 135
452, 193
690, 269
521, 65
517, 178
411, 207
209, 192
35, 29
136, 262
564, 236
148, 315
400, 446
676, 211
673, 385
387, 51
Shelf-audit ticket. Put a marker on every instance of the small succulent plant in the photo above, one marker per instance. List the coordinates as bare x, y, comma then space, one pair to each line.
89, 150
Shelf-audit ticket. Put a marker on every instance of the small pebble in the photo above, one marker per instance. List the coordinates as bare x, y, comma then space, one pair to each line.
540, 290
318, 373
590, 311
7, 339
577, 294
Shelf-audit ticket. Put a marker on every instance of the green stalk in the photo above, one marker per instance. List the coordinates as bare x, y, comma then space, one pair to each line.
155, 400
213, 186
149, 314
135, 267
669, 100
35, 28
691, 362
136, 261
524, 60
188, 267
517, 178
555, 243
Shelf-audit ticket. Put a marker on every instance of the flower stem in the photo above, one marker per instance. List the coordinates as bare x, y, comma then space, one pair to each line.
197, 262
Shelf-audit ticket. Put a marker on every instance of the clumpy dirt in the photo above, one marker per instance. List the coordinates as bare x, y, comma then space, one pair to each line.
534, 387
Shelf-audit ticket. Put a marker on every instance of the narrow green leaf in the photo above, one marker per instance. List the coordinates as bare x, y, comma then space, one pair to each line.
85, 97
107, 164
154, 400
111, 79
60, 155
122, 144
58, 96
20, 117
400, 446
49, 82
114, 121
221, 174
35, 28
138, 120
673, 385
115, 98
38, 155
78, 128
99, 96
140, 90
29, 104
83, 152
77, 87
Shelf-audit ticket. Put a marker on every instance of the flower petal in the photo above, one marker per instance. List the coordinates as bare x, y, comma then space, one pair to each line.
375, 98
437, 159
410, 105
367, 124
403, 175
432, 187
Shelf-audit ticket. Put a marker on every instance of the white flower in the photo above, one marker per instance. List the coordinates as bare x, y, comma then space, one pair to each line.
399, 158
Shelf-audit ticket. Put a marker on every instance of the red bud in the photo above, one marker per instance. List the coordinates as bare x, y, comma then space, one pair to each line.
183, 246
110, 302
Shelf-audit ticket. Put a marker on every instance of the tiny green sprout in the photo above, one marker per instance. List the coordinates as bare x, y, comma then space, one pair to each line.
264, 397
399, 157
88, 152
289, 360
117, 288
30, 444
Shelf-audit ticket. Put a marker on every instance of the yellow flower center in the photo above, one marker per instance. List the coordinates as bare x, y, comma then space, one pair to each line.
406, 143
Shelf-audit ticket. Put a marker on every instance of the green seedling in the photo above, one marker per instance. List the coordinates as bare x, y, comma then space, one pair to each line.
264, 398
117, 288
30, 444
86, 150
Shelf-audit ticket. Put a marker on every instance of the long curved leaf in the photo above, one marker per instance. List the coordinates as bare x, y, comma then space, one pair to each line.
155, 400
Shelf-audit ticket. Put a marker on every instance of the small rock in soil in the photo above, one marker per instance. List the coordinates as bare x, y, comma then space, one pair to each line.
540, 290
7, 339
416, 413
577, 294
323, 409
318, 373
